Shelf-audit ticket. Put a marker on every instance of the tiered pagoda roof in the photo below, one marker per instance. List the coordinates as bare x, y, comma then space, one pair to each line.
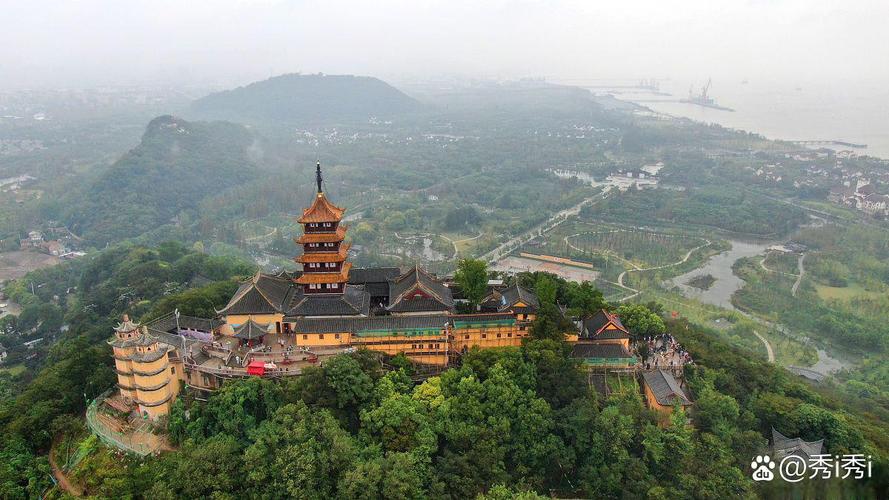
322, 237
340, 276
321, 210
337, 256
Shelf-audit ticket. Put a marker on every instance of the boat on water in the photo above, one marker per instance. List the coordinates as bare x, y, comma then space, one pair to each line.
703, 99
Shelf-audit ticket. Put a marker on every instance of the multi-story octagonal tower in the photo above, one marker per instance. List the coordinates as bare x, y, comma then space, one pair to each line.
324, 266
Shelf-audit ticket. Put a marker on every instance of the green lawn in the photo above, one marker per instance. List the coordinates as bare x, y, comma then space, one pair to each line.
831, 208
14, 369
844, 293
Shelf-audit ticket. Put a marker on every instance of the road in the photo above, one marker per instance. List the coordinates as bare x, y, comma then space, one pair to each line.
765, 342
545, 226
799, 278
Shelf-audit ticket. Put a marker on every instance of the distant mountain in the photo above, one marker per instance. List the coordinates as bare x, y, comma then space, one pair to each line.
176, 165
306, 98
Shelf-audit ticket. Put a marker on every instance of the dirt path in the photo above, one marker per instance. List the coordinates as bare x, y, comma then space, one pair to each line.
620, 278
61, 478
799, 278
769, 350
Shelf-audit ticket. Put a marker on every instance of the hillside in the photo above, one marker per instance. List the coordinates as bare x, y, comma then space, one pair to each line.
306, 98
174, 167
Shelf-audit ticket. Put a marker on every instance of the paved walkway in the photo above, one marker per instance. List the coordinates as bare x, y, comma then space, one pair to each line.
799, 278
620, 278
769, 351
544, 227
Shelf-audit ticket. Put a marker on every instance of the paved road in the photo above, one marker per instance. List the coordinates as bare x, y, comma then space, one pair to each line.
769, 350
799, 278
545, 226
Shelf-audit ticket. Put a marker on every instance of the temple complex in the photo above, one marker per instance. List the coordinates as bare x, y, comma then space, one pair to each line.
276, 325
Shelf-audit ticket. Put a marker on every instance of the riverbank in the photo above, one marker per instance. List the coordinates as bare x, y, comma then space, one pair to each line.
852, 113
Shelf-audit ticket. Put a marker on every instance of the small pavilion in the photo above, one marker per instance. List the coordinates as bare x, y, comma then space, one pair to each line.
250, 333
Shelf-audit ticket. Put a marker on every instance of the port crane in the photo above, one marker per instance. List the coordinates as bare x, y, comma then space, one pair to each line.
703, 99
704, 90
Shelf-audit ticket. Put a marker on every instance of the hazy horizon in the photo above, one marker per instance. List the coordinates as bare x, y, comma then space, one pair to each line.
229, 42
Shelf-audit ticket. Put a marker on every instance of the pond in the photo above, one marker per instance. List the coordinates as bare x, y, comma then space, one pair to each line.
720, 268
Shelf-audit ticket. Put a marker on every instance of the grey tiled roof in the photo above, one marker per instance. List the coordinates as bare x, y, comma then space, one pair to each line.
354, 301
515, 294
612, 335
665, 388
414, 281
784, 446
481, 317
362, 275
599, 351
352, 325
596, 322
251, 330
418, 304
262, 294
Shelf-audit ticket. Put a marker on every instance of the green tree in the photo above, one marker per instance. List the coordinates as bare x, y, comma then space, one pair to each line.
299, 453
400, 423
239, 407
640, 320
546, 288
210, 469
472, 277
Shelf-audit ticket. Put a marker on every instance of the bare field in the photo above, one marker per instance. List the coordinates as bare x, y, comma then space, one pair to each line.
14, 265
513, 264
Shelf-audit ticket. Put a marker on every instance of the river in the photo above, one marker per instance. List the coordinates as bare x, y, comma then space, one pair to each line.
852, 112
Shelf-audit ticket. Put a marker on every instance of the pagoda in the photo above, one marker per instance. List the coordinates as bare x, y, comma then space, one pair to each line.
324, 266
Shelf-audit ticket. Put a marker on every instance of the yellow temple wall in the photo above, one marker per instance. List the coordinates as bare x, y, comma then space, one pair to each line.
624, 342
427, 349
322, 339
487, 337
263, 319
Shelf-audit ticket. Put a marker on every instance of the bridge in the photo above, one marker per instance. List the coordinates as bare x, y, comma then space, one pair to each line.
805, 372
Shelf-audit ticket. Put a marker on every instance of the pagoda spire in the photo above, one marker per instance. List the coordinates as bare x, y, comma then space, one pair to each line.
318, 175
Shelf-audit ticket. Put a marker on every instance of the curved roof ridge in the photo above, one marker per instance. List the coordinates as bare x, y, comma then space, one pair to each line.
321, 210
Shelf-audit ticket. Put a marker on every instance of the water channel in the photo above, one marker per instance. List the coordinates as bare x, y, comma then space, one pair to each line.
727, 283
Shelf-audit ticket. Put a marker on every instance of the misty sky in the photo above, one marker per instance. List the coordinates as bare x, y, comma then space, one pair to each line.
91, 42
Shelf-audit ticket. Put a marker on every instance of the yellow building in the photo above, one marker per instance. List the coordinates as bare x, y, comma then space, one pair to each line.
603, 343
663, 392
145, 374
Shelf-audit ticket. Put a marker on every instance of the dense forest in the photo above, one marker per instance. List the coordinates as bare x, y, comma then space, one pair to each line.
295, 99
175, 166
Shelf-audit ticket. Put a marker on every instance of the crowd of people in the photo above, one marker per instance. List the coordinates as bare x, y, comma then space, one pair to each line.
665, 352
